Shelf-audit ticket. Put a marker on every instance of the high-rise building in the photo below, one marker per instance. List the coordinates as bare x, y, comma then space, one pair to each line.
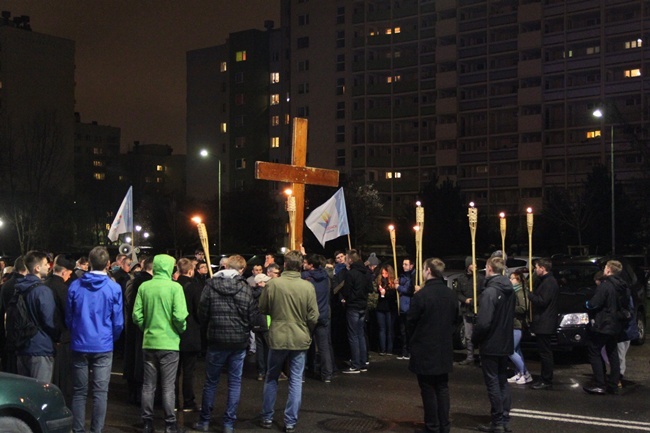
497, 96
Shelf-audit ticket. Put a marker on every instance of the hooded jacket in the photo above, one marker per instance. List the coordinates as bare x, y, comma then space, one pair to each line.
545, 302
228, 308
493, 330
160, 310
94, 313
605, 304
291, 303
42, 310
320, 280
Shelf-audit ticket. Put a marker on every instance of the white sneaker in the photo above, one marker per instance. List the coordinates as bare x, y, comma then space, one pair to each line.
514, 378
524, 379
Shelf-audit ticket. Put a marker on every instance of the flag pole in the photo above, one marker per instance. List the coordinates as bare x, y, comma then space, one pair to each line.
349, 242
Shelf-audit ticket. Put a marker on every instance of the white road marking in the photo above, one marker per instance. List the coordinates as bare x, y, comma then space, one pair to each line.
580, 419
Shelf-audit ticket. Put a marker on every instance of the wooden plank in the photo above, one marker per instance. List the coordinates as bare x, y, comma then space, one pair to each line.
295, 174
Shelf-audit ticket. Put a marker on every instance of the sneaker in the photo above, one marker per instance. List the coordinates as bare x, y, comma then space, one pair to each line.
261, 376
524, 379
266, 423
514, 378
290, 429
201, 426
466, 361
283, 377
191, 408
352, 371
363, 369
228, 429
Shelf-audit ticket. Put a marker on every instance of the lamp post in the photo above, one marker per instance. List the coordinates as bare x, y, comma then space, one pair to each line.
204, 154
599, 114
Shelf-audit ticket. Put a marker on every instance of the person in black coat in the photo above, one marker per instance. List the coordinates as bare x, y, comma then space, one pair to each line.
606, 325
493, 333
9, 360
544, 301
190, 346
430, 324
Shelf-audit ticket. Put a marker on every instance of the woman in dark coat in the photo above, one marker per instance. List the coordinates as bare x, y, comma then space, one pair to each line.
430, 322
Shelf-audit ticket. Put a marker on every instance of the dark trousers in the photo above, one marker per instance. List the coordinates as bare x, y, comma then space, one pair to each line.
322, 342
186, 368
435, 400
596, 343
495, 376
403, 332
546, 356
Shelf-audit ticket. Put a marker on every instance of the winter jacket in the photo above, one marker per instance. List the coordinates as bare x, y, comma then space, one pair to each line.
60, 293
406, 289
545, 302
389, 302
94, 313
42, 310
493, 330
321, 281
465, 290
160, 310
430, 323
228, 308
358, 283
191, 338
521, 306
605, 305
291, 303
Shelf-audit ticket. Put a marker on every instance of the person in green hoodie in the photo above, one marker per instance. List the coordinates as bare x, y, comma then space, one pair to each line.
160, 312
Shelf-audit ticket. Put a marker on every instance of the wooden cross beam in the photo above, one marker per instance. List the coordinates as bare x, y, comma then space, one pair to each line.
298, 174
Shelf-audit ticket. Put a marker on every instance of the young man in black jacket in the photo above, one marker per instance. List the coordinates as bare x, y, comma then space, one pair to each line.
494, 335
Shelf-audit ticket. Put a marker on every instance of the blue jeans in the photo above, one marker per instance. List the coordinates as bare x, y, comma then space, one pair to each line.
496, 380
215, 360
165, 362
100, 364
37, 367
357, 337
517, 357
296, 360
386, 322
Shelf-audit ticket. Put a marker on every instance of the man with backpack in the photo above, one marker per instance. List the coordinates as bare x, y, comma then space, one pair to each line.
608, 313
31, 327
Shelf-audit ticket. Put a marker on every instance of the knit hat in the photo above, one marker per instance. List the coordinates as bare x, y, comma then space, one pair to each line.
373, 260
261, 278
468, 261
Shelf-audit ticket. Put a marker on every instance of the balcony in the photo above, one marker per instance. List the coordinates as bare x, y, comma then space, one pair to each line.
531, 123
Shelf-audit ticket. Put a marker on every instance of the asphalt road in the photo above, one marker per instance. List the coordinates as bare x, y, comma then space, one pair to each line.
386, 399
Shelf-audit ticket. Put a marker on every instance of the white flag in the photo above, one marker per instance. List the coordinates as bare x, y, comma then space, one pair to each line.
329, 220
123, 222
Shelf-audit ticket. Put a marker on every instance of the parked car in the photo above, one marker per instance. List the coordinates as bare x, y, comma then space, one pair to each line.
575, 276
30, 406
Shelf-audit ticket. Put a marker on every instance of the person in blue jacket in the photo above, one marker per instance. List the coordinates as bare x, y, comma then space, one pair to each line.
95, 319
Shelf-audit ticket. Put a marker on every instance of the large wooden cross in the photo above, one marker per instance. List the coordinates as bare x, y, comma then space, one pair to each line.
298, 174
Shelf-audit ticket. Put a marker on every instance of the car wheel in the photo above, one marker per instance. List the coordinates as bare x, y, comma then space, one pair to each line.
640, 321
459, 336
9, 424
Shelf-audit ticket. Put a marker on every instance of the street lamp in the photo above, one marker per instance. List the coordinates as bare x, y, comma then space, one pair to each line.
600, 114
204, 154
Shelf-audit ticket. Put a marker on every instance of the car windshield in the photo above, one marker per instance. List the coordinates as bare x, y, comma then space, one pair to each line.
576, 278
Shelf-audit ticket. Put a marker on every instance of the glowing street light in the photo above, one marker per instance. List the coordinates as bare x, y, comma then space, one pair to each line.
601, 114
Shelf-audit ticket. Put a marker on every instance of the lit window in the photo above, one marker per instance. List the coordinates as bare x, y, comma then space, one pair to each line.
224, 66
275, 120
593, 50
275, 141
633, 44
240, 164
287, 119
275, 99
98, 164
397, 30
393, 175
99, 176
394, 79
98, 151
389, 175
593, 134
240, 56
160, 168
275, 77
159, 180
224, 127
629, 73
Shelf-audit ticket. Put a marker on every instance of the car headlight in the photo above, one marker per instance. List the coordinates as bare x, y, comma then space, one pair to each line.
574, 319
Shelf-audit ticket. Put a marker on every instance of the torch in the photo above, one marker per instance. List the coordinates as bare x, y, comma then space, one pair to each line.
291, 210
473, 219
391, 230
419, 219
203, 236
418, 259
529, 223
502, 221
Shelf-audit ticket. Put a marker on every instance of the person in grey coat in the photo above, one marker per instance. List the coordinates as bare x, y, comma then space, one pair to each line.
430, 325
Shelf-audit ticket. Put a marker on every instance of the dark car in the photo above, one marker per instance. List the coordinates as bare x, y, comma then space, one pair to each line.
27, 405
575, 276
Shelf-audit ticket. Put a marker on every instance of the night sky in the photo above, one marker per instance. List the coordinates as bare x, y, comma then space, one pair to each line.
130, 54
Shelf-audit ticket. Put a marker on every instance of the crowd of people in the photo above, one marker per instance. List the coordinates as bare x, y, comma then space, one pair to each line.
162, 314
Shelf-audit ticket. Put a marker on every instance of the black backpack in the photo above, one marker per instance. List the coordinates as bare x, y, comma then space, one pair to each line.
19, 325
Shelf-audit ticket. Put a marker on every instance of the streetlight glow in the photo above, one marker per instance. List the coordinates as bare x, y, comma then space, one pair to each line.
138, 228
597, 113
204, 153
